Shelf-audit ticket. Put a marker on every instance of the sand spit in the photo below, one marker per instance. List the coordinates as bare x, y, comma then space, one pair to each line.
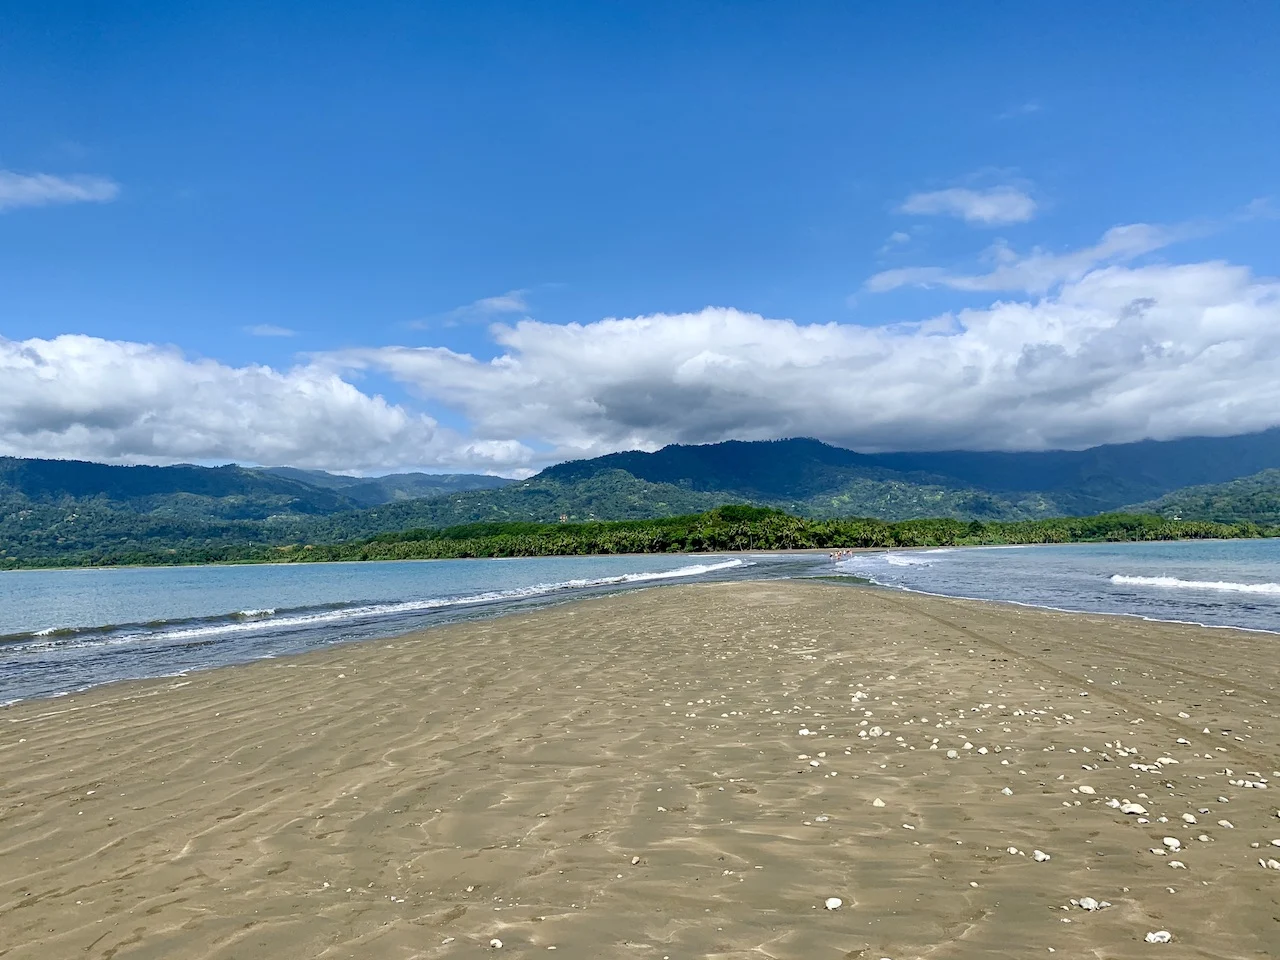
790, 770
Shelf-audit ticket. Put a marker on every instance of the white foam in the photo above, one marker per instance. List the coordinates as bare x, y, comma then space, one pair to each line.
907, 560
258, 620
1174, 583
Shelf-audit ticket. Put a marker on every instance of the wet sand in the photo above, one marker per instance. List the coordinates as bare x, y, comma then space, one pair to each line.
676, 773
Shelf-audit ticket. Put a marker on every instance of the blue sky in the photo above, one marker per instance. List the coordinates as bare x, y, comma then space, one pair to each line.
383, 178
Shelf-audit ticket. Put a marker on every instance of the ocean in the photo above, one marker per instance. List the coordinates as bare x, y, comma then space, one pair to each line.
1217, 583
67, 630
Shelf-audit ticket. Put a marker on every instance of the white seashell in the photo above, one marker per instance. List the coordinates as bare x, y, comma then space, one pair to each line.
1012, 850
1132, 808
1159, 936
1039, 856
877, 802
495, 943
1226, 823
833, 903
1007, 792
1177, 864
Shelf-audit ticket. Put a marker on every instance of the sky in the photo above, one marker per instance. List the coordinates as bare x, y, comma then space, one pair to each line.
492, 236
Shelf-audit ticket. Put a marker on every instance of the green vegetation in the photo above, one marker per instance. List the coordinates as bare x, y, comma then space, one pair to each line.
726, 528
1254, 499
66, 512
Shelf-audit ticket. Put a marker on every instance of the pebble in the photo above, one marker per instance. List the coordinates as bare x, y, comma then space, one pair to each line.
1159, 936
1087, 790
877, 802
1039, 856
833, 903
495, 943
1007, 792
1132, 808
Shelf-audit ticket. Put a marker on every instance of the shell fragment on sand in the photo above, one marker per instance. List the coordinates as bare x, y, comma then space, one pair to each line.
1159, 936
833, 903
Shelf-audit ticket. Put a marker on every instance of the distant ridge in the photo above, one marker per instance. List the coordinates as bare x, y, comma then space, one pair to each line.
51, 509
1083, 481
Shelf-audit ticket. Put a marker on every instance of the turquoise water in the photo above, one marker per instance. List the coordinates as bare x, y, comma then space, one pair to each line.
66, 630
1227, 583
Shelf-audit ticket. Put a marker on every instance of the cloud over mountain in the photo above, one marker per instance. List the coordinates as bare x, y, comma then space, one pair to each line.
84, 397
1112, 353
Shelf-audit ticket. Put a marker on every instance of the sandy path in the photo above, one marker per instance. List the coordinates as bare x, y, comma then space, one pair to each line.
420, 796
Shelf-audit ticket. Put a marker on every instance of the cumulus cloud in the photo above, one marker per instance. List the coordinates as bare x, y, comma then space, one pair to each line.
84, 397
1114, 355
45, 189
1039, 270
989, 208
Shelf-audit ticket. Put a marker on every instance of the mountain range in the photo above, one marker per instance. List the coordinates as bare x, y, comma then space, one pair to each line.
55, 510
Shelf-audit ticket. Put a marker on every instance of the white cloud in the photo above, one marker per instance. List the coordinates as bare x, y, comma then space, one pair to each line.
1113, 353
83, 397
1117, 354
45, 189
483, 310
1039, 270
513, 301
269, 330
991, 207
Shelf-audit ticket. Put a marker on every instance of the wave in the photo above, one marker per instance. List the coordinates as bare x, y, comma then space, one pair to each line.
259, 620
906, 560
1174, 583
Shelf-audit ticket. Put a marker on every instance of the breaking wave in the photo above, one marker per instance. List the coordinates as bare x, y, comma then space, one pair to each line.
1174, 583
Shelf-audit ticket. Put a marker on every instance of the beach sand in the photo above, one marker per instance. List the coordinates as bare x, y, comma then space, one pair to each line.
628, 777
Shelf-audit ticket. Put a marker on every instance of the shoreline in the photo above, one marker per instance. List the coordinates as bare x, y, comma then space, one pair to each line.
680, 772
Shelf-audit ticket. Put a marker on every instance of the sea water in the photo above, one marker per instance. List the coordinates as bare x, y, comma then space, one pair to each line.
1220, 583
67, 630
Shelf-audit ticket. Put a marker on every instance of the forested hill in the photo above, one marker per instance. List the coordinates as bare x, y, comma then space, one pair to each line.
64, 509
1254, 499
1051, 482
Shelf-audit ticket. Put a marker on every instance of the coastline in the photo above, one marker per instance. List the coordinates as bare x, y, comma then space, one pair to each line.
421, 795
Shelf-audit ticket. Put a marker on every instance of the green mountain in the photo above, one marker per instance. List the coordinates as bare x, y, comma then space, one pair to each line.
1253, 499
56, 508
811, 477
56, 511
371, 491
